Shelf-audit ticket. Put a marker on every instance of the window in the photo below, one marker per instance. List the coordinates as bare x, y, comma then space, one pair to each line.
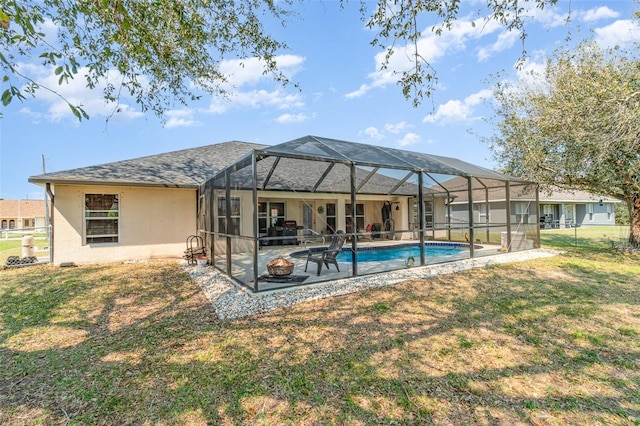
590, 212
428, 215
522, 212
4, 224
12, 224
359, 217
609, 211
482, 213
27, 223
233, 227
269, 214
548, 210
331, 217
101, 217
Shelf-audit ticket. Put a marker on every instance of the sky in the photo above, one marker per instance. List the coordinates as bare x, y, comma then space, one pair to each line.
342, 93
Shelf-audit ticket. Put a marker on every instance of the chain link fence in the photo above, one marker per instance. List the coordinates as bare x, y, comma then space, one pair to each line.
24, 247
586, 237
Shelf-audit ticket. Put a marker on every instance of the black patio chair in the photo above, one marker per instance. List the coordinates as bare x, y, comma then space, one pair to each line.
327, 256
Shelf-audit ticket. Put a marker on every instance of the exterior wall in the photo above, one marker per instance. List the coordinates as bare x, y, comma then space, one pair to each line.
602, 215
153, 223
294, 206
498, 212
459, 214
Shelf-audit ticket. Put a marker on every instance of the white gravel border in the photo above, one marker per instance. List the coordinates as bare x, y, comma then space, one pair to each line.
231, 301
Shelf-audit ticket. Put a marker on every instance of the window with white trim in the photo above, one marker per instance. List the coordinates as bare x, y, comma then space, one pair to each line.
609, 211
331, 217
522, 212
269, 214
483, 217
428, 215
359, 217
233, 228
590, 212
101, 218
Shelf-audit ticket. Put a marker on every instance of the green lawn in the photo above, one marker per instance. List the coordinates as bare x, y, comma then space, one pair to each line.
547, 342
12, 247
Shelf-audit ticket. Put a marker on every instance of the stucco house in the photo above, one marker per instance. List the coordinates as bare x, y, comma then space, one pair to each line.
247, 200
141, 208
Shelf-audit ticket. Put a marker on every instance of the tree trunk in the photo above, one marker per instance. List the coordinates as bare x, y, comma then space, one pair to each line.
634, 221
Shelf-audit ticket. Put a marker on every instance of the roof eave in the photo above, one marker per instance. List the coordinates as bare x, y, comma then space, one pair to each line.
42, 181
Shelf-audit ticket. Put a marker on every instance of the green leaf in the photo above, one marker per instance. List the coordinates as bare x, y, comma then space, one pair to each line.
58, 71
75, 112
6, 97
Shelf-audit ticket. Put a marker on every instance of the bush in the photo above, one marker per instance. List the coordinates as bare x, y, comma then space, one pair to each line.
622, 214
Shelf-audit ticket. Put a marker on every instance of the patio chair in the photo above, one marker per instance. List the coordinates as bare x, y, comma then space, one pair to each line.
327, 256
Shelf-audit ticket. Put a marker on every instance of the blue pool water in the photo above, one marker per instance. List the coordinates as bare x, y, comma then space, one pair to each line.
398, 252
381, 254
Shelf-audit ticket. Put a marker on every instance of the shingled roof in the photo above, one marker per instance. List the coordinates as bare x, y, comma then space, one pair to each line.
187, 168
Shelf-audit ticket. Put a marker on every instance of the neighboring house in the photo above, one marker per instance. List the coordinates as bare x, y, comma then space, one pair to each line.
22, 214
563, 208
148, 207
558, 208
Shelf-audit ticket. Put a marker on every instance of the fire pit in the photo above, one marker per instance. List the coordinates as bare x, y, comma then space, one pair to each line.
280, 267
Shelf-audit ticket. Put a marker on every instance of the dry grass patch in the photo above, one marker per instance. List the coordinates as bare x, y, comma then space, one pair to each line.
551, 341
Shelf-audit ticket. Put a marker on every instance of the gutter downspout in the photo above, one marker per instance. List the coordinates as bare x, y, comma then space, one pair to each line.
50, 220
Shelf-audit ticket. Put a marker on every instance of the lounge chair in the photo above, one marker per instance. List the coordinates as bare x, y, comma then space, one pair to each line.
327, 256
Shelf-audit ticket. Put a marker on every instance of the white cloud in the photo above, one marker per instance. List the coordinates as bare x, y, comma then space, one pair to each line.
76, 92
431, 48
241, 72
532, 72
409, 139
372, 133
181, 122
457, 111
505, 41
249, 72
181, 118
292, 118
276, 99
361, 91
397, 128
619, 33
602, 12
549, 17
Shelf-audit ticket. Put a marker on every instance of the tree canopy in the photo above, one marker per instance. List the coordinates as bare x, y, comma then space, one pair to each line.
576, 125
164, 51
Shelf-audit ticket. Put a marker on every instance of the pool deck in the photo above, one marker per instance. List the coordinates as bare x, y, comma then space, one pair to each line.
242, 263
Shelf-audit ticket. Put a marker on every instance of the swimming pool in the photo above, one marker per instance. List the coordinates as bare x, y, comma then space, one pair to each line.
397, 252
